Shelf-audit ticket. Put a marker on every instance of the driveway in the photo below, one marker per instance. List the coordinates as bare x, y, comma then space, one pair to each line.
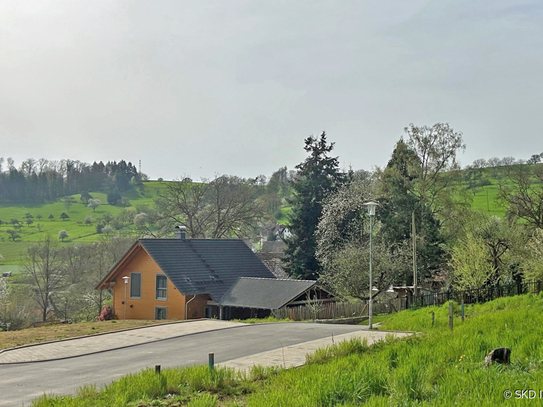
239, 346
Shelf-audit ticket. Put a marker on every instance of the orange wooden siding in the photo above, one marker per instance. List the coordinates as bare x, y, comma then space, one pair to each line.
144, 307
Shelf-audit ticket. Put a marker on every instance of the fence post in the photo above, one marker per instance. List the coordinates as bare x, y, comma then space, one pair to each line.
433, 318
462, 309
451, 315
211, 362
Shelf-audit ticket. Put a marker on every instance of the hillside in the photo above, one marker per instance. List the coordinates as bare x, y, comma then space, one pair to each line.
484, 199
438, 367
75, 226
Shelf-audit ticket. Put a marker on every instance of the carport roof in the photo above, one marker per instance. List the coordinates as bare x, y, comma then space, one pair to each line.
264, 293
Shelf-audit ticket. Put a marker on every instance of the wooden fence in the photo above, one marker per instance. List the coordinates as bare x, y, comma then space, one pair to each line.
336, 310
333, 310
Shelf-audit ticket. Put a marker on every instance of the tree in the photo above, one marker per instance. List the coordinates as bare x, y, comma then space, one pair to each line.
347, 270
521, 191
489, 253
224, 207
397, 187
94, 203
13, 235
62, 234
17, 224
64, 216
434, 172
344, 216
534, 159
533, 264
85, 197
107, 230
68, 202
43, 267
88, 220
29, 218
51, 217
317, 177
114, 197
470, 264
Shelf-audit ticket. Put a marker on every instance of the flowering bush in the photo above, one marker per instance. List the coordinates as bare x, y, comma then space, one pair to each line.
107, 314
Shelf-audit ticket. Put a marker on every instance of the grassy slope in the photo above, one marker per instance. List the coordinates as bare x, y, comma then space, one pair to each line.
78, 232
435, 368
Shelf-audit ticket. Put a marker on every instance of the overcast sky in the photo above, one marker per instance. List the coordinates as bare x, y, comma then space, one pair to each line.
233, 87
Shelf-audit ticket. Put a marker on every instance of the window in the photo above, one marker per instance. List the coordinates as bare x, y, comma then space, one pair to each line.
160, 312
135, 285
161, 287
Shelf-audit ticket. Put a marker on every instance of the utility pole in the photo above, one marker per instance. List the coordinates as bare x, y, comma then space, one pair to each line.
414, 236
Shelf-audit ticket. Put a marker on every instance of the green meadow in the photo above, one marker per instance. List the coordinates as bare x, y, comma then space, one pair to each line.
75, 226
436, 367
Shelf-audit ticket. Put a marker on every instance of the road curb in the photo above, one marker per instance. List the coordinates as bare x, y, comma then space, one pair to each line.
97, 334
111, 349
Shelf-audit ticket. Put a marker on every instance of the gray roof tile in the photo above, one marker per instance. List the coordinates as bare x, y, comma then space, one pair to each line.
264, 293
205, 266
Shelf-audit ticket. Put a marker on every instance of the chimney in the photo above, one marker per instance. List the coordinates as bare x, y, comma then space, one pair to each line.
180, 232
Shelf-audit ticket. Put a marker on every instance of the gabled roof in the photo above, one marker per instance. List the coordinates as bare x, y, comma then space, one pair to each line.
264, 293
202, 266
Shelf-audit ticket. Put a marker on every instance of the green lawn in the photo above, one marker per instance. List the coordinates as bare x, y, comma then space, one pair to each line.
437, 367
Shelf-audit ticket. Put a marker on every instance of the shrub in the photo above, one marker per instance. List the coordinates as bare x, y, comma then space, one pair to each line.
107, 314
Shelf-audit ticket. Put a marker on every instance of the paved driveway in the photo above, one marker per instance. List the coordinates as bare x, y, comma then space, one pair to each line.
237, 346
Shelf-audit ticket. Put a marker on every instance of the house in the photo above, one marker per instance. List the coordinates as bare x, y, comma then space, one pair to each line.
199, 278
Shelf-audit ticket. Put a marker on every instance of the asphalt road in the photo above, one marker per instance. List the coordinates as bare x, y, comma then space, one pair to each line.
20, 384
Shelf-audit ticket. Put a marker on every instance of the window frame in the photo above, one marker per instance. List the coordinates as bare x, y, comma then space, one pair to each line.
165, 289
132, 274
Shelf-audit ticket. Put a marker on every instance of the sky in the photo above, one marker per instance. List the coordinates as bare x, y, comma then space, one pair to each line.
201, 88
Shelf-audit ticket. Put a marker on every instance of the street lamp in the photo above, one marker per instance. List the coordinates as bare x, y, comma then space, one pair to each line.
125, 278
371, 211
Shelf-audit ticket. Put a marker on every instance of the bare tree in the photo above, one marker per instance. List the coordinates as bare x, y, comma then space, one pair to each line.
68, 202
44, 269
227, 206
436, 148
522, 192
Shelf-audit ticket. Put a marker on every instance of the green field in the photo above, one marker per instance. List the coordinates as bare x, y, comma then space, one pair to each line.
485, 201
78, 231
437, 367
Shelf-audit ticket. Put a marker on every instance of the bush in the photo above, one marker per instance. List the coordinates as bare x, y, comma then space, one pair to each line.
107, 314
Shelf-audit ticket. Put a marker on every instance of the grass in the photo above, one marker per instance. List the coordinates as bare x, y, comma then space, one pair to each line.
485, 200
78, 231
40, 334
436, 368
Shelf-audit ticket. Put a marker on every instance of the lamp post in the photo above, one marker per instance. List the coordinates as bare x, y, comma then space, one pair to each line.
125, 278
371, 211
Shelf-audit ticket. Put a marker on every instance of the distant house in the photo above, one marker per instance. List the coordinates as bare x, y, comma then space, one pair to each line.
199, 278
